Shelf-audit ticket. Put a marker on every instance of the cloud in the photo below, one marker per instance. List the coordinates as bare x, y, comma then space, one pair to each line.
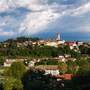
34, 16
10, 5
6, 33
37, 21
81, 10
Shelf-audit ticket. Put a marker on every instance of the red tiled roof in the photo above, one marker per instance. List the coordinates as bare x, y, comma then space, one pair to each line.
66, 76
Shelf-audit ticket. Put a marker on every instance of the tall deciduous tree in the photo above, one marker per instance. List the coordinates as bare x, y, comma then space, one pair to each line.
7, 86
16, 70
71, 67
18, 85
83, 66
62, 68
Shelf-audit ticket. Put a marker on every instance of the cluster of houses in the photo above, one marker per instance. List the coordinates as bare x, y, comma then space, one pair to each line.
53, 42
52, 71
60, 58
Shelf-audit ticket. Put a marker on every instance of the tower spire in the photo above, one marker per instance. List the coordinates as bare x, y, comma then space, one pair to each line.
58, 36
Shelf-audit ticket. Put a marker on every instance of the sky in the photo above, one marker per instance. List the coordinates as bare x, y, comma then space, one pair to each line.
45, 18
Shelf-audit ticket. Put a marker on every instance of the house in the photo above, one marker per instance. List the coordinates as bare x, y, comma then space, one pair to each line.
6, 44
60, 80
26, 43
79, 43
69, 43
65, 76
44, 58
10, 61
33, 43
66, 55
31, 64
59, 58
52, 71
19, 44
72, 45
7, 64
73, 59
51, 43
60, 41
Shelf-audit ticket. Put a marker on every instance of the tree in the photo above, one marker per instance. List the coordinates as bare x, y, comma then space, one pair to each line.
84, 50
66, 49
71, 67
16, 70
1, 45
52, 62
33, 80
18, 85
62, 68
2, 60
7, 85
80, 82
83, 66
7, 73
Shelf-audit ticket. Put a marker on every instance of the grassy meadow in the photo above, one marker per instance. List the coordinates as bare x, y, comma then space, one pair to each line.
45, 66
2, 68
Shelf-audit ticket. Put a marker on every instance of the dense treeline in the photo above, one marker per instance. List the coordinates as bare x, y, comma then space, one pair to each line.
84, 50
22, 39
30, 50
48, 62
72, 67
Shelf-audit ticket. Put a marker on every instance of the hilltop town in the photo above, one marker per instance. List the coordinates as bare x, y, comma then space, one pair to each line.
54, 42
55, 57
50, 42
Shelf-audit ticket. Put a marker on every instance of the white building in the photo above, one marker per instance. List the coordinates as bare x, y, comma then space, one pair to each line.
79, 43
52, 71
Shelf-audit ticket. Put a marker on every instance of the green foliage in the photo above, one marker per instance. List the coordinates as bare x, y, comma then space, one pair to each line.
80, 82
18, 85
77, 60
48, 62
84, 50
7, 73
62, 68
83, 66
1, 46
52, 62
66, 49
38, 85
22, 39
25, 63
3, 51
45, 51
7, 86
16, 70
36, 81
71, 67
88, 59
2, 60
